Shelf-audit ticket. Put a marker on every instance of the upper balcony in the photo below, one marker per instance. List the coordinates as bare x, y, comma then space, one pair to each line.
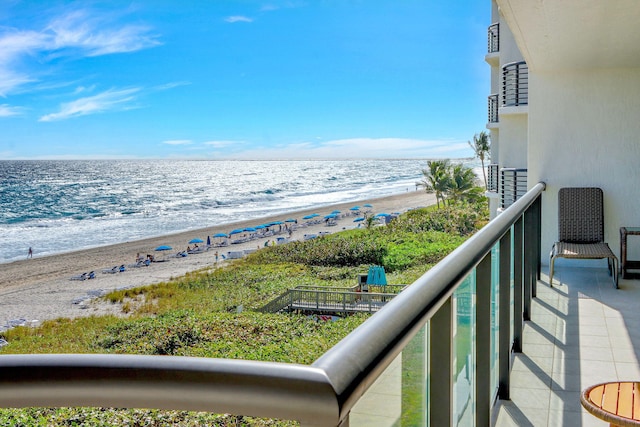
493, 44
492, 107
515, 88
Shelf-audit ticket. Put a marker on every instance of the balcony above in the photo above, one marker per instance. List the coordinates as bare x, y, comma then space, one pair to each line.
493, 44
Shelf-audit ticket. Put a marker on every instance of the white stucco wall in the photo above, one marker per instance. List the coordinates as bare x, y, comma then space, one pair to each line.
584, 130
513, 131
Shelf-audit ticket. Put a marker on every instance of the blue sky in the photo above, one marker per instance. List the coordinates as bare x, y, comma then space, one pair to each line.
242, 79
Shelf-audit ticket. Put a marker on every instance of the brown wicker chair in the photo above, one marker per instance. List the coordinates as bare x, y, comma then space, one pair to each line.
581, 229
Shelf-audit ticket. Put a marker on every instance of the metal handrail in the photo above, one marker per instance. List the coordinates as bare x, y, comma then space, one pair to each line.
493, 38
492, 107
493, 177
321, 394
515, 84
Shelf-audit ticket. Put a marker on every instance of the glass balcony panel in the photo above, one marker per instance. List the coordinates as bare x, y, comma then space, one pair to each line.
400, 395
464, 352
495, 306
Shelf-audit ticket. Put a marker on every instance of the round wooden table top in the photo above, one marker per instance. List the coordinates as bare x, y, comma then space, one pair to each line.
615, 402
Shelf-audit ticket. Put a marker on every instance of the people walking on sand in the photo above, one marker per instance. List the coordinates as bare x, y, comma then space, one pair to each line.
216, 256
30, 254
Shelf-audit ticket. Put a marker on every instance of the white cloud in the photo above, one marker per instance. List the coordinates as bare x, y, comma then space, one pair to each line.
238, 18
171, 85
8, 111
222, 144
78, 33
357, 148
178, 142
110, 100
96, 36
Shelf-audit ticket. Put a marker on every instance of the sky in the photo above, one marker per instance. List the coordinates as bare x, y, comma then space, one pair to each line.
194, 79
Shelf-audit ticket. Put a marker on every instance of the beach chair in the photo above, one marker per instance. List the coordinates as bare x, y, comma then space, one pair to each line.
581, 229
83, 276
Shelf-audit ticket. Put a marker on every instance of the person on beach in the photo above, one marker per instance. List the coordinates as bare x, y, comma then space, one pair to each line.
30, 254
216, 256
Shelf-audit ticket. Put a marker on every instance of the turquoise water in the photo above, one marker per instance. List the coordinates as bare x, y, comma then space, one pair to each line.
60, 206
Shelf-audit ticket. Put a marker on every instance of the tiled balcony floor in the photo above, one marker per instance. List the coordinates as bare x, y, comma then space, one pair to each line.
582, 332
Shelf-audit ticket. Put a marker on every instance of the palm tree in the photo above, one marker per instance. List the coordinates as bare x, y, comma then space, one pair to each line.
437, 179
463, 184
481, 147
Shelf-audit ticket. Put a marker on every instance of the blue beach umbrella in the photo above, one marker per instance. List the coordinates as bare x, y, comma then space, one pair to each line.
330, 216
335, 212
237, 231
367, 205
220, 235
196, 240
290, 220
260, 227
250, 229
355, 208
163, 248
308, 217
381, 214
358, 219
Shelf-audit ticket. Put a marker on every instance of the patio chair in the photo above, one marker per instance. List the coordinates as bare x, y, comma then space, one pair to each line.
581, 229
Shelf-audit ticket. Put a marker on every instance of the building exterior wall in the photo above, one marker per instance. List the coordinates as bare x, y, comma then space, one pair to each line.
584, 130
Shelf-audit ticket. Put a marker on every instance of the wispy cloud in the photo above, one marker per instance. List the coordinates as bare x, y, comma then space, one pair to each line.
110, 100
8, 111
222, 144
178, 142
171, 85
96, 36
238, 18
356, 148
78, 33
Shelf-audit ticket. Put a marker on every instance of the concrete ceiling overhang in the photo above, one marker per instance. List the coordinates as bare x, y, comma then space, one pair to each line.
575, 34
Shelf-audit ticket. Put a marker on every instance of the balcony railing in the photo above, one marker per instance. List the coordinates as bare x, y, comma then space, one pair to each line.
515, 84
493, 38
447, 372
493, 177
492, 102
513, 185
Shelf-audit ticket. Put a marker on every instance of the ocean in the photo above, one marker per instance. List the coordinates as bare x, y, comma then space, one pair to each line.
57, 206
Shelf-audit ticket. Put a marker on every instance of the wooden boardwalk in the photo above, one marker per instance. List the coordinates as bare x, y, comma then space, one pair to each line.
321, 300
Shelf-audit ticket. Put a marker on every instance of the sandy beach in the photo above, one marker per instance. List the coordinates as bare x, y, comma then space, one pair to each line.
40, 288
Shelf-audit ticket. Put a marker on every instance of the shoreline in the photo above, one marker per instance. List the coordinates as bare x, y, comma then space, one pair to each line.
40, 288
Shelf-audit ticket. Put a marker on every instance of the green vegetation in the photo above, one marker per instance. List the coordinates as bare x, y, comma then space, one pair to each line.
452, 184
198, 314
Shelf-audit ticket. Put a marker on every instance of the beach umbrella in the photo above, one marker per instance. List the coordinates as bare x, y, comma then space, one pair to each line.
250, 229
291, 220
355, 208
381, 214
367, 205
359, 219
308, 217
260, 227
208, 241
163, 248
277, 223
236, 231
330, 216
196, 241
335, 212
220, 235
